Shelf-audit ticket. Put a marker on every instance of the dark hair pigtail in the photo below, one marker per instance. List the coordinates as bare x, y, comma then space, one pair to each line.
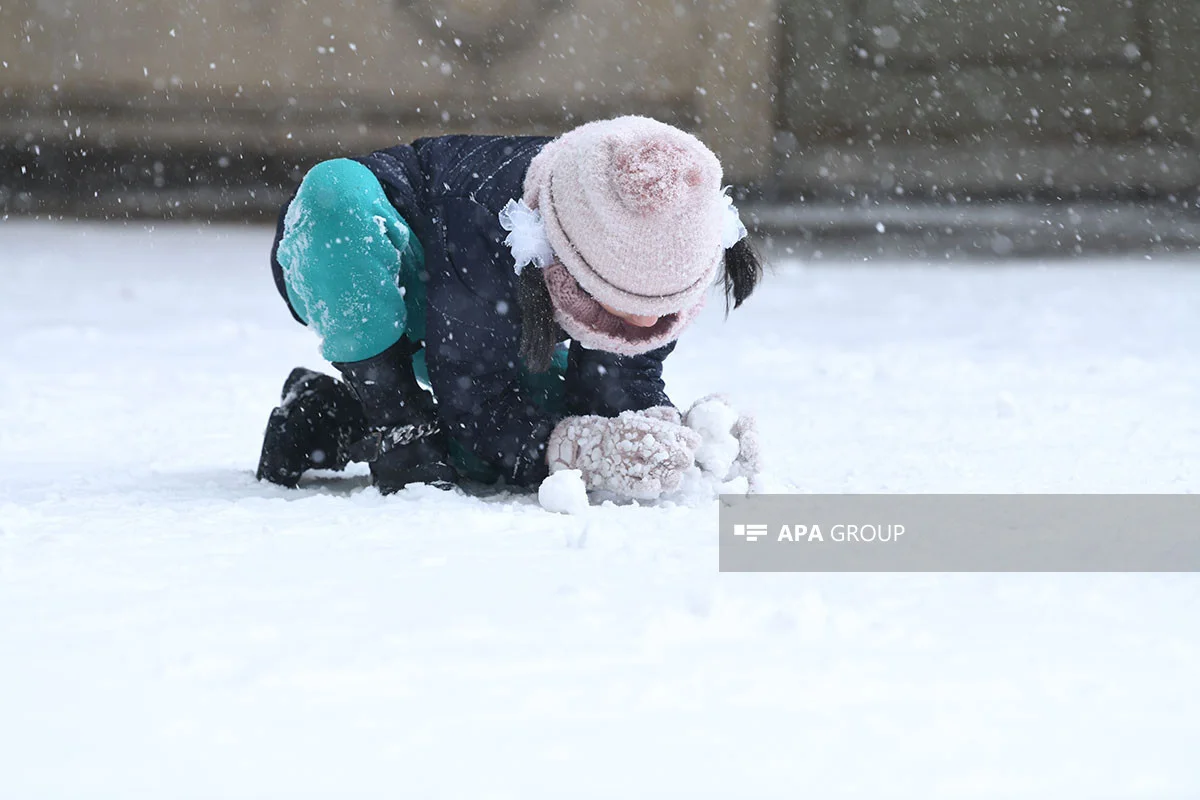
743, 271
537, 320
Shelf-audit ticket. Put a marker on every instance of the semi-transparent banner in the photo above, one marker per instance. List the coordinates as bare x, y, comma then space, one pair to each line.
960, 533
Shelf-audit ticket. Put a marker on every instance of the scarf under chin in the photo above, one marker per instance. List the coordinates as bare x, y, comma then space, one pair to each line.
586, 321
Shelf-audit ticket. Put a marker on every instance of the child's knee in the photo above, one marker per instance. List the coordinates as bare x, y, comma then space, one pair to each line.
339, 185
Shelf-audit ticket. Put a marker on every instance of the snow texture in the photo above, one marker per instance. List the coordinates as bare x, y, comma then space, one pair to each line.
169, 627
564, 492
733, 230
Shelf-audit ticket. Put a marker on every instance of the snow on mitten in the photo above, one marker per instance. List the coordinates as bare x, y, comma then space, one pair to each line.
634, 454
665, 413
730, 446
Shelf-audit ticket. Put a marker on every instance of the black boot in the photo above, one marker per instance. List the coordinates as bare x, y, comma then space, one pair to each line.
404, 442
317, 421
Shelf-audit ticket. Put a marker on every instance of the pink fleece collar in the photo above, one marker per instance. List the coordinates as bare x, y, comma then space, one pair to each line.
586, 321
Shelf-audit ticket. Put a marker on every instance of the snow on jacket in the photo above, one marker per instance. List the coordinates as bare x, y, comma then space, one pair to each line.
450, 191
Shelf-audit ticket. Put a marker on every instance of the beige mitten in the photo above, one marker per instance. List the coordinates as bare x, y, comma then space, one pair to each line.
636, 454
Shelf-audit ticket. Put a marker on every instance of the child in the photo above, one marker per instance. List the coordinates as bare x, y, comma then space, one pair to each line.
400, 262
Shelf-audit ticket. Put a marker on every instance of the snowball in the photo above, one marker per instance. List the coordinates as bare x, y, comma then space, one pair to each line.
714, 421
564, 492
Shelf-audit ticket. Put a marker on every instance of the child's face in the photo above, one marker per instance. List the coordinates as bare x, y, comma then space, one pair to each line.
636, 320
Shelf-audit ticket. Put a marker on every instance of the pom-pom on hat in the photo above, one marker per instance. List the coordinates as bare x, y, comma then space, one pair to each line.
633, 209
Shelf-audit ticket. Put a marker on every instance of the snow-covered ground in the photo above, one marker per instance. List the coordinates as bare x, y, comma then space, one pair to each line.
170, 628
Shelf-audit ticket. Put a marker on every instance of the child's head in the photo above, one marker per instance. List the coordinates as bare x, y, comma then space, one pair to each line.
640, 228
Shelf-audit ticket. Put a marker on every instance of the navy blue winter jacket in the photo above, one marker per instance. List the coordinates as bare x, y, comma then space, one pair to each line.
450, 191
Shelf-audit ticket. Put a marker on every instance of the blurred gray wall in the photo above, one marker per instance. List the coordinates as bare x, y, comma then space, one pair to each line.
991, 95
221, 104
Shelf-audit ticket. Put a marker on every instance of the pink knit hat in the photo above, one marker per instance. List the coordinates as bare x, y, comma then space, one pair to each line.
633, 210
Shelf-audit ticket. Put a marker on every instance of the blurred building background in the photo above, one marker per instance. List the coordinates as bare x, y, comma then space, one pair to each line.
1010, 125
